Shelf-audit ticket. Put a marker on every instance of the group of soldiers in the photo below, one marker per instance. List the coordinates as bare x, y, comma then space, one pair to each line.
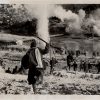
78, 64
83, 65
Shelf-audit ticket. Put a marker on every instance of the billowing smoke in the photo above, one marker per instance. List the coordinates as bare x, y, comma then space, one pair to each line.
96, 18
43, 12
71, 19
74, 22
93, 22
82, 14
97, 30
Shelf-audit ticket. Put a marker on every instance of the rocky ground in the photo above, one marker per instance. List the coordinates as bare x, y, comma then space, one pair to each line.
60, 82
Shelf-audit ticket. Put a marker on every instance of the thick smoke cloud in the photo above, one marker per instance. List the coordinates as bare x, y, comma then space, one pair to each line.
74, 22
96, 18
71, 19
93, 21
82, 14
43, 12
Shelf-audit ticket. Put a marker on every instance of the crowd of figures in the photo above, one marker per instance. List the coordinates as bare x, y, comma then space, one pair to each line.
75, 63
85, 65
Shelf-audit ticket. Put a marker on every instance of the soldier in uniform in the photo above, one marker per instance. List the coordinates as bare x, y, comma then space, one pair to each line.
81, 65
89, 66
98, 67
75, 65
69, 60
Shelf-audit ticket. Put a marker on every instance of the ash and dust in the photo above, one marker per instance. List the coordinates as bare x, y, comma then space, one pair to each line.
73, 30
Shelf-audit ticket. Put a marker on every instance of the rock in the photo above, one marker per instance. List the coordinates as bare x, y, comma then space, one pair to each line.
83, 88
1, 70
44, 92
10, 91
2, 85
92, 89
18, 92
77, 87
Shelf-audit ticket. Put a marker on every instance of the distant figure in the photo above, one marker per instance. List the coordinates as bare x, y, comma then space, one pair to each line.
75, 65
77, 53
94, 54
1, 62
69, 60
52, 63
98, 54
14, 70
8, 71
85, 66
81, 65
98, 67
89, 66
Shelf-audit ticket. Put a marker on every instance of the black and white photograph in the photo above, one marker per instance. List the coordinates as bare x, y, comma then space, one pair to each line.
50, 49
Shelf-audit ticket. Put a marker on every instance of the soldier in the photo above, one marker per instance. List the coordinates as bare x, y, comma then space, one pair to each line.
98, 67
52, 64
8, 70
89, 66
74, 65
15, 70
81, 65
85, 66
69, 60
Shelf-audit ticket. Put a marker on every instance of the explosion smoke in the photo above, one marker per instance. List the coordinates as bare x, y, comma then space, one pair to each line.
82, 14
43, 12
94, 21
96, 17
72, 20
97, 30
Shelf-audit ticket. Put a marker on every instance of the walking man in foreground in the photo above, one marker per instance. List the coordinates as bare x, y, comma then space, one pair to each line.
35, 74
